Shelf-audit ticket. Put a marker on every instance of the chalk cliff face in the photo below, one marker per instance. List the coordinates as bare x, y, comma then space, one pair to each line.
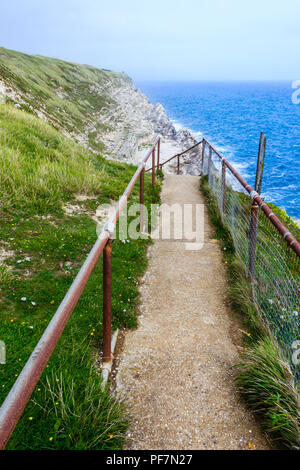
100, 109
138, 123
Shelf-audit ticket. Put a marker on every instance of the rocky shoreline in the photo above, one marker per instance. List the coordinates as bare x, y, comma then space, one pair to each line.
134, 126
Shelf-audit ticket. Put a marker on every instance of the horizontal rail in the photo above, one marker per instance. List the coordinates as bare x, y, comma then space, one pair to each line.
178, 155
286, 234
19, 395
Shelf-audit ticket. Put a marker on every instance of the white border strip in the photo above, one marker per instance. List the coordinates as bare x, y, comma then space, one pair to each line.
106, 366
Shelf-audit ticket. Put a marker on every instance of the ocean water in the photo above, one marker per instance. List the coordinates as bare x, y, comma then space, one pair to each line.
231, 116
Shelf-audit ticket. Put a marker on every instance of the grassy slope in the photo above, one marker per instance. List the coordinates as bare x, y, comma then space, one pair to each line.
71, 96
264, 377
40, 171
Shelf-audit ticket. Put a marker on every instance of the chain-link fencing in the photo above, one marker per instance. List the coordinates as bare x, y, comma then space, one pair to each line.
267, 249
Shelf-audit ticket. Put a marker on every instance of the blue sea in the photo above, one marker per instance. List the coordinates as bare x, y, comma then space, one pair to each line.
231, 116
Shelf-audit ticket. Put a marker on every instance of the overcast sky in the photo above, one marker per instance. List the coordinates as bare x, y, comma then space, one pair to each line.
162, 39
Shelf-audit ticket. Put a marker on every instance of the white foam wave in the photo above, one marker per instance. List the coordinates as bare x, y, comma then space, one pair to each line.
227, 151
178, 126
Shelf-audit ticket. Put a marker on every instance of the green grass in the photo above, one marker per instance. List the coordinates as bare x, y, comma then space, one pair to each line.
70, 96
264, 377
265, 381
41, 171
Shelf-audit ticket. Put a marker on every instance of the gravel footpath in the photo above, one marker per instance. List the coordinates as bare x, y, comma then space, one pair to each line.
175, 370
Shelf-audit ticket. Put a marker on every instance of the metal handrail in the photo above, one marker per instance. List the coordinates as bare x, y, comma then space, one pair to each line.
19, 395
280, 227
16, 400
176, 156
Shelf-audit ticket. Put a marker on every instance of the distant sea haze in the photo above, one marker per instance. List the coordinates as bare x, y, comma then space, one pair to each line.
231, 116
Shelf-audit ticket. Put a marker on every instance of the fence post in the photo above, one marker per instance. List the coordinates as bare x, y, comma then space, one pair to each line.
223, 187
203, 155
107, 284
254, 207
260, 162
142, 200
153, 167
178, 165
209, 164
158, 153
252, 239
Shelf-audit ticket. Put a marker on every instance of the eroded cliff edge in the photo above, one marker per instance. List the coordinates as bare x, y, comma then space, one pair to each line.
100, 109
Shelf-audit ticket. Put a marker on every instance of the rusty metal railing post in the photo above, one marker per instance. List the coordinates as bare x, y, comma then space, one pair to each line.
252, 239
223, 187
107, 296
254, 206
178, 165
260, 162
158, 154
153, 167
142, 200
209, 165
203, 155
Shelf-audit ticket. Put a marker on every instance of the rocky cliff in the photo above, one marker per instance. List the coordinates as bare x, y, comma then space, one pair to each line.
100, 109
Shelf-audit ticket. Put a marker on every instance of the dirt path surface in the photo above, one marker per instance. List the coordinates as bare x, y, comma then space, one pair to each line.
175, 370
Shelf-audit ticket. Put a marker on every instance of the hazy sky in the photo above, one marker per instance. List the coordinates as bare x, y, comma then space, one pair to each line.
162, 39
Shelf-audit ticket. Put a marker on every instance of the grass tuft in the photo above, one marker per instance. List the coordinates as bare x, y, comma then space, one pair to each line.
266, 382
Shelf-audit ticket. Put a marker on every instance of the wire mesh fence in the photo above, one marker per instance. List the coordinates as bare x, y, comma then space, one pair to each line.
271, 258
